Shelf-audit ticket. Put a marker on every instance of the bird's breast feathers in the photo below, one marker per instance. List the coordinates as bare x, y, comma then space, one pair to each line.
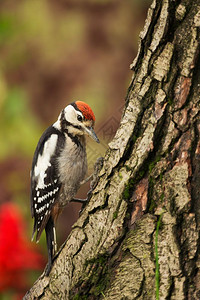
72, 165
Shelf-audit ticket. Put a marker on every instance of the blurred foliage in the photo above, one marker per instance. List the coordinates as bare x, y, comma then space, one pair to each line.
20, 129
54, 52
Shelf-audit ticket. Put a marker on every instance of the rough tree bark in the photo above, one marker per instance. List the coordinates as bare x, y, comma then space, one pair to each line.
138, 237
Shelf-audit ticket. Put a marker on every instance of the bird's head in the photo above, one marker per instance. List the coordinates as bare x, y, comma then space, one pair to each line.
77, 118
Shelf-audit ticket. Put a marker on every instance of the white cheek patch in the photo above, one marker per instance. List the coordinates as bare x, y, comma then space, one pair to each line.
71, 114
43, 161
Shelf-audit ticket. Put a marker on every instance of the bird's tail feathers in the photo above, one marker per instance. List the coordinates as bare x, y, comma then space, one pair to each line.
51, 243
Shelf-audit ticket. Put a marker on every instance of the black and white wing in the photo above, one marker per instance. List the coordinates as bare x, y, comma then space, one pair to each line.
45, 183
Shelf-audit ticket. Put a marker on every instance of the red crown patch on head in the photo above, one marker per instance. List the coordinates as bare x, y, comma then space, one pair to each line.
86, 110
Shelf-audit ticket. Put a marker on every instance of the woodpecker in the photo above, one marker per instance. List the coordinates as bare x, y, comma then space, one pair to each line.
59, 165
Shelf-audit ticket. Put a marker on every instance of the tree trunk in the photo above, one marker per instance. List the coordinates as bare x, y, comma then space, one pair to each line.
138, 237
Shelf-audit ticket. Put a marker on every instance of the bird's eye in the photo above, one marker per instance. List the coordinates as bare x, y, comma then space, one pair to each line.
79, 118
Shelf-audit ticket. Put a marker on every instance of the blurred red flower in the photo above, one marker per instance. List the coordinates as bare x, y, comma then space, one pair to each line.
17, 254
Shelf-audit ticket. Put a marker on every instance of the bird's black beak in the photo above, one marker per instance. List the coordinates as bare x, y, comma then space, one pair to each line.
90, 132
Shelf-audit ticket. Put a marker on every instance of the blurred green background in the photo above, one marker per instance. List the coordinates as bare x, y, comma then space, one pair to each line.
52, 53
